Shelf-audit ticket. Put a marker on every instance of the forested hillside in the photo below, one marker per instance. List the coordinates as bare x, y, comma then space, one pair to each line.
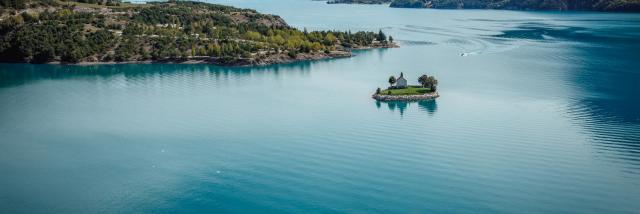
39, 31
597, 5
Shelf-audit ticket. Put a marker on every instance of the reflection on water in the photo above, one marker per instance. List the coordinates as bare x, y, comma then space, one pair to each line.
609, 84
603, 72
19, 74
428, 106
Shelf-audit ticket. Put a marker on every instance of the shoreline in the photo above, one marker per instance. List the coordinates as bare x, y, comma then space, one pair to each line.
416, 97
566, 6
280, 58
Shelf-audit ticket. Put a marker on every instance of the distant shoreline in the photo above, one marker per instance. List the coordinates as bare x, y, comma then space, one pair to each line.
620, 6
281, 59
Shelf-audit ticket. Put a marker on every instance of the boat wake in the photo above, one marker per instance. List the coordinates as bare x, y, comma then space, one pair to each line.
469, 44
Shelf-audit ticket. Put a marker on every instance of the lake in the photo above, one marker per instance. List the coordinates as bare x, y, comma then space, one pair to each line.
539, 113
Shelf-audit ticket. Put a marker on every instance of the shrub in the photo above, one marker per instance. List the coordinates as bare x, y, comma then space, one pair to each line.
292, 54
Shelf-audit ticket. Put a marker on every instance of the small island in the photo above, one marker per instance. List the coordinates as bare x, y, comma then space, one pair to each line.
399, 90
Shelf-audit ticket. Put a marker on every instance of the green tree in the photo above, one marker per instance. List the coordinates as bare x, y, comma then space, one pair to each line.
330, 39
392, 80
214, 50
433, 82
17, 4
381, 36
45, 55
428, 82
423, 80
72, 56
292, 54
252, 35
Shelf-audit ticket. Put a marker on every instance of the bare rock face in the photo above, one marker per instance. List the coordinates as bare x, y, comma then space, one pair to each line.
267, 20
276, 21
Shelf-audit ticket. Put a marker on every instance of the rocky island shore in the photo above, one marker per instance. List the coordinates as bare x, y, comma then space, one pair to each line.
413, 97
400, 91
109, 32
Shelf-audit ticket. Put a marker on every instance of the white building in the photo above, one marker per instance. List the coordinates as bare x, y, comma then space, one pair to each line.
401, 82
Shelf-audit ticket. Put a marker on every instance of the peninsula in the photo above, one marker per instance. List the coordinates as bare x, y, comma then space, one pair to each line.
589, 5
399, 90
110, 31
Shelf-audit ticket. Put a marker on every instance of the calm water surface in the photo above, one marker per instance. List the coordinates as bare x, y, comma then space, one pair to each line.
540, 116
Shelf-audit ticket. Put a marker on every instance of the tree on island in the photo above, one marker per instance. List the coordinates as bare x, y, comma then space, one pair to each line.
433, 82
390, 39
428, 82
423, 80
381, 36
392, 80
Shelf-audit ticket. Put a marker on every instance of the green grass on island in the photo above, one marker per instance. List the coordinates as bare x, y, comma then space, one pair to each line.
411, 90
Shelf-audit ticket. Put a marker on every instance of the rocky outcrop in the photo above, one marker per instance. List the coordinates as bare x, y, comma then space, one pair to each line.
262, 19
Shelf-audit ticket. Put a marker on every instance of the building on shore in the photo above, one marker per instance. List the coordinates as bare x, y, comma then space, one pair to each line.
401, 82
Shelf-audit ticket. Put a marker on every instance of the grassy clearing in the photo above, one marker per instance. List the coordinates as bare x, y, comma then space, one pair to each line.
411, 90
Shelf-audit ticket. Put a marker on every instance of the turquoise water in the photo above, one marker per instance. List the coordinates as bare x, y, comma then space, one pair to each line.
541, 115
